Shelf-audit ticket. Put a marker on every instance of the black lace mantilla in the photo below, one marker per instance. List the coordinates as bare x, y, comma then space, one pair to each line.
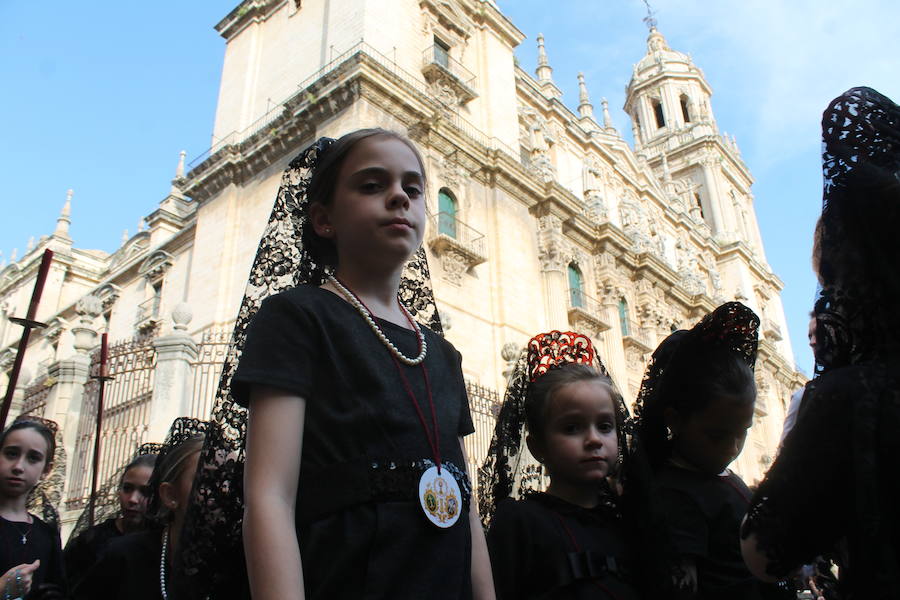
856, 310
732, 327
843, 441
212, 556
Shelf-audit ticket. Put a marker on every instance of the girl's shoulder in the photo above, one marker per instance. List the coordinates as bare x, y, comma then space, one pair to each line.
302, 296
517, 518
533, 506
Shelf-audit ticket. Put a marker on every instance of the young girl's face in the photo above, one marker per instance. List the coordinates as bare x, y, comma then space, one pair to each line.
579, 445
23, 460
378, 209
712, 438
134, 493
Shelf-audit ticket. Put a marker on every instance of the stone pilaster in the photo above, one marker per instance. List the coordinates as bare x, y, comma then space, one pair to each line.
67, 398
172, 385
553, 269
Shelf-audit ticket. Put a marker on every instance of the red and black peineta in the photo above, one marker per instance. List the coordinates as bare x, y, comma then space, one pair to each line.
557, 348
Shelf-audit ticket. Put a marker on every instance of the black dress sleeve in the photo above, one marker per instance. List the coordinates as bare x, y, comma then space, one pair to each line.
687, 525
510, 548
801, 507
279, 350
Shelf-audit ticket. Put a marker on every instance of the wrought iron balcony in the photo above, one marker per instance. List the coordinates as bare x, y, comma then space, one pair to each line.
586, 313
147, 318
634, 337
447, 75
459, 246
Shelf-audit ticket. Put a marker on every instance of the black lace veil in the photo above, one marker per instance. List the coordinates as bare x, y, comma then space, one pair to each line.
211, 556
858, 255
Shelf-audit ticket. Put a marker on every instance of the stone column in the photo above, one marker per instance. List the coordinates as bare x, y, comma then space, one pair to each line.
67, 397
173, 381
553, 271
610, 347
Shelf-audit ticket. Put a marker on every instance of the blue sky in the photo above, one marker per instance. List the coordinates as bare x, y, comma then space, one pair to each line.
101, 96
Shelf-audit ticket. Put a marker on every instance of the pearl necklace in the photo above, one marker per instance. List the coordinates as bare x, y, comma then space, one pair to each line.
367, 315
162, 563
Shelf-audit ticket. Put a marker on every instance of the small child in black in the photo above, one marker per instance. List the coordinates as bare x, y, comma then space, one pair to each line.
694, 409
83, 550
570, 541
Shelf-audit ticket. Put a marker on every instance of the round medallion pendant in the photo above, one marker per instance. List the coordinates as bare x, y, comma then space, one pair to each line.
440, 497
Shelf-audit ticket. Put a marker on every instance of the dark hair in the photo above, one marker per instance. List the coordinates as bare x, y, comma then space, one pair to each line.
42, 429
324, 180
169, 469
541, 391
689, 381
144, 460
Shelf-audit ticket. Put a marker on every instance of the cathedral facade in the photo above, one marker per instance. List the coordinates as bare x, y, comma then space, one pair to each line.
541, 217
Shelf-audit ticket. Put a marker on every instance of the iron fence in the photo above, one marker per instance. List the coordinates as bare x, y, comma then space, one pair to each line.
126, 414
484, 405
207, 370
36, 395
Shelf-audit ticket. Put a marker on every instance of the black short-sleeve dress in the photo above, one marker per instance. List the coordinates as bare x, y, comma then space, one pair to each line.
703, 514
362, 533
41, 542
544, 547
82, 552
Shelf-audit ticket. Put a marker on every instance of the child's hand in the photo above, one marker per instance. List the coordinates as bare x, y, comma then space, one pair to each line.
17, 581
685, 576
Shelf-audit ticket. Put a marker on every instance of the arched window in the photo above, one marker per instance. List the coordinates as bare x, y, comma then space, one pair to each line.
576, 287
658, 113
446, 213
685, 110
623, 316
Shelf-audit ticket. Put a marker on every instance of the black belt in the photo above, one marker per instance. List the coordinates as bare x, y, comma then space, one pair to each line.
329, 489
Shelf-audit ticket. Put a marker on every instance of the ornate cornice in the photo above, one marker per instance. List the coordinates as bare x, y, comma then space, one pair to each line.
247, 12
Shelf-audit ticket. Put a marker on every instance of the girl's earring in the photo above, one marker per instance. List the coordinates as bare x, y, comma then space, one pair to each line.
668, 433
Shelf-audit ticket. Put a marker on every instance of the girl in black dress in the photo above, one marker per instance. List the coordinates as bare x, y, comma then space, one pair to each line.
578, 539
355, 481
694, 409
132, 493
30, 550
137, 566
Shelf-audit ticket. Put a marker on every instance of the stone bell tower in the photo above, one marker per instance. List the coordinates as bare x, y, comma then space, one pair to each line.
668, 99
